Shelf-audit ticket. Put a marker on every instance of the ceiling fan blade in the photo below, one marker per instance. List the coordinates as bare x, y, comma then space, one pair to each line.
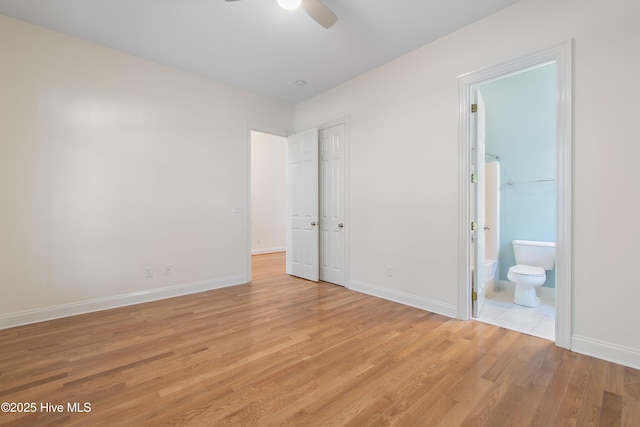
319, 12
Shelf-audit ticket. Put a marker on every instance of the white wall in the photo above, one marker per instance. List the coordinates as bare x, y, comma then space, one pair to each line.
404, 162
109, 164
268, 192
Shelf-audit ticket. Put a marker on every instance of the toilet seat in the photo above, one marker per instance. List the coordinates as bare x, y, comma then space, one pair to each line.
527, 271
526, 276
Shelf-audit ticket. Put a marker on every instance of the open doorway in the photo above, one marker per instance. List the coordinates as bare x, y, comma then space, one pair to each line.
268, 193
519, 201
469, 83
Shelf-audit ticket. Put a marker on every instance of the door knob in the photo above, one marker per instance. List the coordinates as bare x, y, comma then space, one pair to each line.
314, 223
341, 225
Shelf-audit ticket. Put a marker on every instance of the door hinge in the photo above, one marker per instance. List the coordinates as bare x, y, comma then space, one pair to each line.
474, 296
474, 108
474, 178
474, 226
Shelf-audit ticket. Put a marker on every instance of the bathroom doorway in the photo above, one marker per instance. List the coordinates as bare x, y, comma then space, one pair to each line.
558, 59
519, 193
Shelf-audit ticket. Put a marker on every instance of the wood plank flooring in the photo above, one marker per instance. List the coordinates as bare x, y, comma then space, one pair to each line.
282, 351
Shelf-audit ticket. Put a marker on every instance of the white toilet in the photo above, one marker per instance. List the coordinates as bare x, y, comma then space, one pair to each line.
532, 259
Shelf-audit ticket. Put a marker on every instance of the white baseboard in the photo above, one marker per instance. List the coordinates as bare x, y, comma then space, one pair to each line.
602, 350
267, 251
404, 298
65, 310
606, 351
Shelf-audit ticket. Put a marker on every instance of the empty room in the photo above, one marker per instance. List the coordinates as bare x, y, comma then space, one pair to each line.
319, 212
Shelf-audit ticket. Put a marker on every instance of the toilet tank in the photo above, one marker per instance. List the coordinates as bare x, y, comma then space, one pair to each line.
539, 254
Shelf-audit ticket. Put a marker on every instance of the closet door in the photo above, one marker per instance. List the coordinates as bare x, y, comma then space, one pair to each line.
302, 205
332, 204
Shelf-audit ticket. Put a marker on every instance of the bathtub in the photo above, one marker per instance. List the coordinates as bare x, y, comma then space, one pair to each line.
489, 275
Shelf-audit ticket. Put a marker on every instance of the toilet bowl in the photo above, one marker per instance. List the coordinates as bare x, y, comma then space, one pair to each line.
532, 259
526, 278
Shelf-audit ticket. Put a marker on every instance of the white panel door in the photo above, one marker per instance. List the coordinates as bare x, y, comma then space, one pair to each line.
478, 276
302, 205
332, 204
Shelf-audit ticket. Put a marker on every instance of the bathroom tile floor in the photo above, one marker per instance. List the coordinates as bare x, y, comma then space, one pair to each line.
500, 310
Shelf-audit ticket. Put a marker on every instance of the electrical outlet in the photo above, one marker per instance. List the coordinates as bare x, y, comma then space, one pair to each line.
168, 269
148, 272
389, 271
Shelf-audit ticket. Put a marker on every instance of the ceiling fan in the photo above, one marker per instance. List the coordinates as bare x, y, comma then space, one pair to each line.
316, 9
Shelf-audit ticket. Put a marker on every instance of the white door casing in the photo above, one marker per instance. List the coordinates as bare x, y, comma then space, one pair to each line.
332, 204
478, 151
302, 205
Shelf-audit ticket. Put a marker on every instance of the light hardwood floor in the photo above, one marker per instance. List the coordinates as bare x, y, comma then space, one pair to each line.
283, 351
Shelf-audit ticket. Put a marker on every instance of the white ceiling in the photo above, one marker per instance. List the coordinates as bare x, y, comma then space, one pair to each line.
254, 44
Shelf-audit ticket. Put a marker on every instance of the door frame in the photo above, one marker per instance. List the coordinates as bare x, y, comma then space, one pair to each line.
562, 55
477, 188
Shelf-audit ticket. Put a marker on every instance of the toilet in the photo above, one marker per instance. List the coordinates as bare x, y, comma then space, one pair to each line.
533, 259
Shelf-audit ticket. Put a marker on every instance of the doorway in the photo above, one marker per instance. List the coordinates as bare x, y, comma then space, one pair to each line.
268, 195
519, 202
561, 56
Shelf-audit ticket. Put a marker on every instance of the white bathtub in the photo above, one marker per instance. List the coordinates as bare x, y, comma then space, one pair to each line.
489, 275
